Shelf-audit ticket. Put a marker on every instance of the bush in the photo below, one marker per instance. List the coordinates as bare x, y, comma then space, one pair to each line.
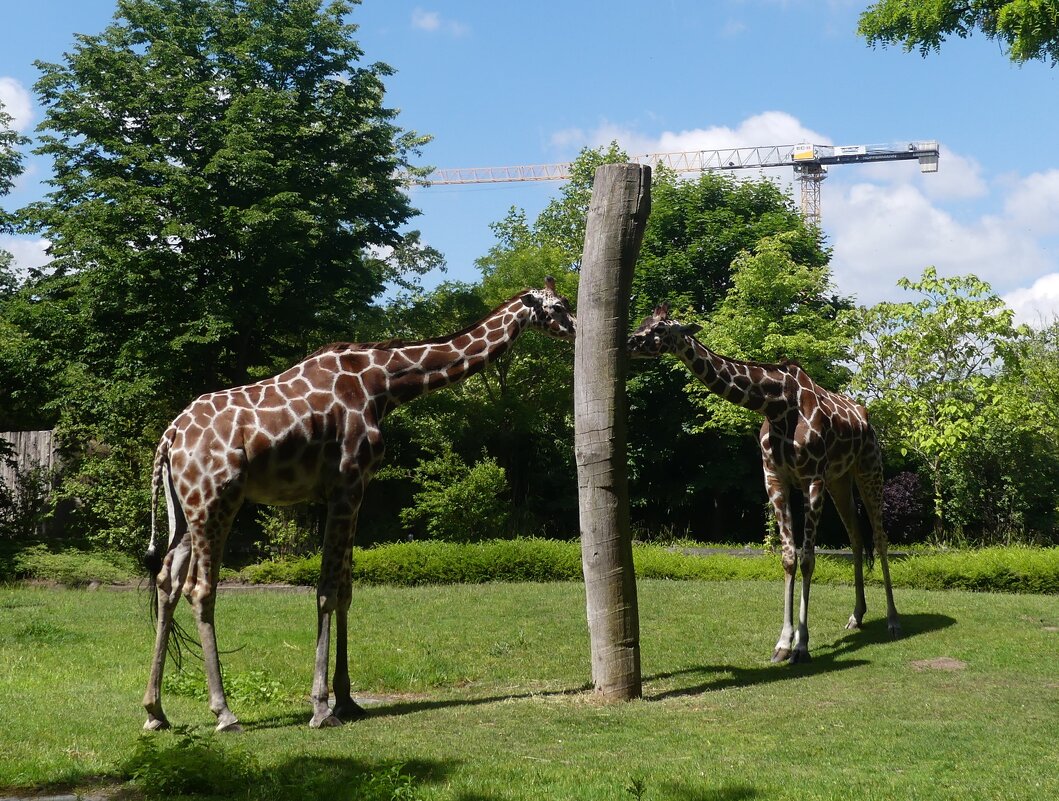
457, 503
72, 567
1030, 570
288, 530
906, 514
190, 763
25, 506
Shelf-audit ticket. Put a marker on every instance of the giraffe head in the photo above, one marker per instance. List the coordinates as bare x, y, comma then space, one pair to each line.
658, 334
550, 312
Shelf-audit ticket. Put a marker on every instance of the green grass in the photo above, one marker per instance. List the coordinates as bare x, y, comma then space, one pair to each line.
486, 699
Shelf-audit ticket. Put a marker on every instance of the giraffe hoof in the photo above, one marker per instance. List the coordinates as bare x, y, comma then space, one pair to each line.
781, 654
895, 630
328, 721
799, 657
348, 711
853, 623
230, 728
156, 723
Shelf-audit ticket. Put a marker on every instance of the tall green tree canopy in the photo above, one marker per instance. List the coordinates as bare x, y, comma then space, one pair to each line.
929, 369
225, 197
1028, 29
225, 176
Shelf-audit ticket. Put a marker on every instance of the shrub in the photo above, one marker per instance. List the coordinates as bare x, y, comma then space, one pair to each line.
74, 567
1010, 569
288, 530
906, 516
189, 763
457, 503
24, 506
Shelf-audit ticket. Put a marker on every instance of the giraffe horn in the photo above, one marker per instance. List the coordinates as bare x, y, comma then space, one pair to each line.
549, 283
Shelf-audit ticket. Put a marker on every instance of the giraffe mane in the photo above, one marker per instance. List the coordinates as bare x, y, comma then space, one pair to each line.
390, 344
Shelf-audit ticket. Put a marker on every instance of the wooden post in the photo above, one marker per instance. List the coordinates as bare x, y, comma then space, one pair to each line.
617, 216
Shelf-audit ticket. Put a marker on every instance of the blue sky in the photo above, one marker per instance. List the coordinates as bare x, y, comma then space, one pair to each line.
526, 83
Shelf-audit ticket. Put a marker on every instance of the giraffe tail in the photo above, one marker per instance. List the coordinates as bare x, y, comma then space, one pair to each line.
152, 560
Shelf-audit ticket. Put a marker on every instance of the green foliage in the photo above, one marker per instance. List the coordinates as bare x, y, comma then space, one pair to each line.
458, 502
249, 688
1027, 29
776, 309
72, 567
287, 531
189, 763
234, 155
928, 368
996, 569
25, 505
303, 570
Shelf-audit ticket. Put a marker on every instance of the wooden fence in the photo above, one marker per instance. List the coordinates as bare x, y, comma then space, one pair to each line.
31, 449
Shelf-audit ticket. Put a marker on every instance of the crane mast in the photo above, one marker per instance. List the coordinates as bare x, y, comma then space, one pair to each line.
810, 163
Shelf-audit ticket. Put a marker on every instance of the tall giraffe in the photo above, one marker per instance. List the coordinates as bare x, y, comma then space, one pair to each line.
812, 439
310, 433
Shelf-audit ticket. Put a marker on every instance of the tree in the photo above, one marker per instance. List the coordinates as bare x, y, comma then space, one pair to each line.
224, 198
1028, 29
929, 370
777, 308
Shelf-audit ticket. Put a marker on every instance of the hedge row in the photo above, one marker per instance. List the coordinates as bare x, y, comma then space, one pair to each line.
1027, 570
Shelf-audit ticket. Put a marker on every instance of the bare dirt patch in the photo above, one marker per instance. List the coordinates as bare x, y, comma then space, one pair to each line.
939, 663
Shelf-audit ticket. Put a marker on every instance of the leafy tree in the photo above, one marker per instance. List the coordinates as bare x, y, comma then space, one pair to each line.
776, 309
929, 369
225, 196
1027, 29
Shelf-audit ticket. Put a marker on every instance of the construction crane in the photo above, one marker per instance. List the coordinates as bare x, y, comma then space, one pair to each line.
810, 163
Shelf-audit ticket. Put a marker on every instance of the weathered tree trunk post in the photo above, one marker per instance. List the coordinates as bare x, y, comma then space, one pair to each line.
617, 216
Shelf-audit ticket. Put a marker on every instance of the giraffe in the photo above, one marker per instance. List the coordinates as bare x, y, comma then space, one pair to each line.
811, 439
309, 433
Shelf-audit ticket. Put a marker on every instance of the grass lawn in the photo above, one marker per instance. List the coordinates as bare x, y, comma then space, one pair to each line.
484, 696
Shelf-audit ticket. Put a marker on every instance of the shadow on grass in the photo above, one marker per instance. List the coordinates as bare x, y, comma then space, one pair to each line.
826, 659
679, 791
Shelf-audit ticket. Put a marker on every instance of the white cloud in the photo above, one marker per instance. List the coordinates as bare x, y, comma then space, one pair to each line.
1033, 202
28, 253
881, 233
433, 22
16, 102
767, 128
1037, 305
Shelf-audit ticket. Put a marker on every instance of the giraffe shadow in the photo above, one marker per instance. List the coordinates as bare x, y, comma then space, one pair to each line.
827, 658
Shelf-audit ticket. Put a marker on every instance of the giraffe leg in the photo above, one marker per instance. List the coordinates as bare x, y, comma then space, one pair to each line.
169, 583
814, 504
777, 492
841, 491
346, 709
207, 550
870, 481
331, 594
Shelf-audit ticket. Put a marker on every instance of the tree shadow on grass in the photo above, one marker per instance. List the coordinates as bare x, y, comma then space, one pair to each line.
828, 658
683, 791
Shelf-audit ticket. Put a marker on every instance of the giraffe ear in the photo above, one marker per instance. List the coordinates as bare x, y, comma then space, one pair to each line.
532, 300
691, 329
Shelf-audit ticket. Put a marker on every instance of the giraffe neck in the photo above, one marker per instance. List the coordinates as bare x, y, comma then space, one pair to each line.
422, 367
765, 388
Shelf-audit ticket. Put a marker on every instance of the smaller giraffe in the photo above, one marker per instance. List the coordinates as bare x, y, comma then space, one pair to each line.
813, 440
309, 433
